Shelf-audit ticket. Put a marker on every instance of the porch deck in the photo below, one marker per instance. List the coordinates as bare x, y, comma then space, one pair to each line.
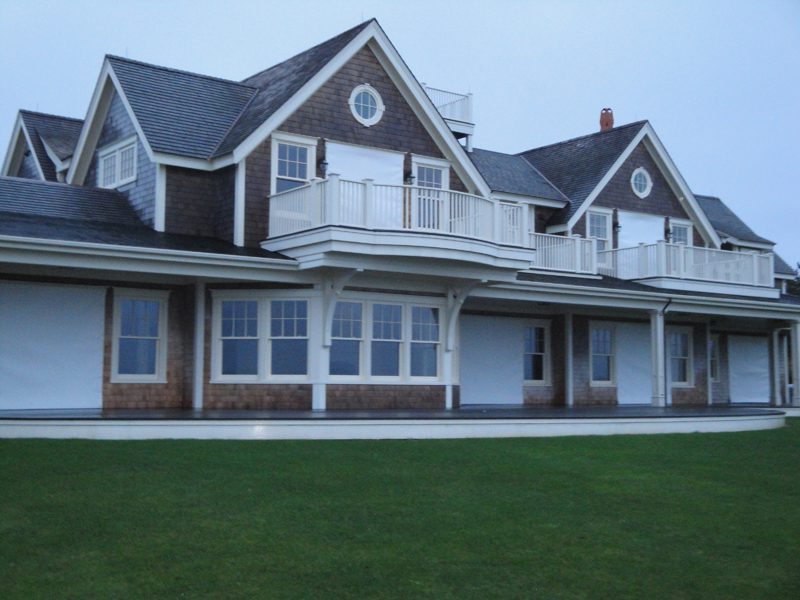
471, 421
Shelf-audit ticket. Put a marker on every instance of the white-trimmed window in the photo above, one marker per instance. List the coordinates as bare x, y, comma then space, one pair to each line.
346, 337
139, 349
116, 164
259, 337
680, 232
366, 105
641, 182
424, 341
536, 361
679, 342
713, 353
601, 351
239, 337
387, 335
598, 225
293, 161
289, 337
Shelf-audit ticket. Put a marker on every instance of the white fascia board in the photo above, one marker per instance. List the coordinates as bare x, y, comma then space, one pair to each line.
198, 164
59, 164
506, 197
13, 145
33, 152
567, 295
747, 244
21, 250
664, 160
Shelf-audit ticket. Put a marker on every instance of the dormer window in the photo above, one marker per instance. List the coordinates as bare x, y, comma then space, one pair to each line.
116, 164
366, 105
641, 183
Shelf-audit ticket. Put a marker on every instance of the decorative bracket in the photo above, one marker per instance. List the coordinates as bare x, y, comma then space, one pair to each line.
455, 300
331, 290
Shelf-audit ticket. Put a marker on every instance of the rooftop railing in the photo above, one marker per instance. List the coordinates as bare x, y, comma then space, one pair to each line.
451, 105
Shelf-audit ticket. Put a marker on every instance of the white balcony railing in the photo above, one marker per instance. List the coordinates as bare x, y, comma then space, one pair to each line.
559, 253
451, 105
687, 262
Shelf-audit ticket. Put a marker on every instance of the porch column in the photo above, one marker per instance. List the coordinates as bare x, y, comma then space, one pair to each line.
658, 359
795, 351
775, 367
569, 393
199, 344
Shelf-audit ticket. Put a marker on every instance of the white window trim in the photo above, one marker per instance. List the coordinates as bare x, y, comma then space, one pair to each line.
381, 107
264, 297
548, 351
613, 367
362, 342
160, 296
281, 137
116, 148
682, 223
433, 163
609, 214
644, 194
690, 359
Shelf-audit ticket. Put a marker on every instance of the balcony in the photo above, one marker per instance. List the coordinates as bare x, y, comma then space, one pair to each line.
335, 215
455, 108
697, 268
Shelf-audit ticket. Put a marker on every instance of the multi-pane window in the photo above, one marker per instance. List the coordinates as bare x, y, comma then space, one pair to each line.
365, 104
239, 334
680, 234
346, 337
289, 337
602, 354
117, 164
430, 177
680, 357
424, 341
387, 333
140, 337
713, 350
599, 229
293, 167
535, 354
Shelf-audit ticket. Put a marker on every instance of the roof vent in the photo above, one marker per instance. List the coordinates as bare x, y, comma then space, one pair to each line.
606, 119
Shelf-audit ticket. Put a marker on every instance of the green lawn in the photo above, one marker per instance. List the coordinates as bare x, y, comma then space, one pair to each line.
683, 516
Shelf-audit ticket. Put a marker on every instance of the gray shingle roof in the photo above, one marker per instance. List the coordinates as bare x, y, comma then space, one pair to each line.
49, 199
180, 113
57, 211
513, 175
726, 222
60, 133
280, 82
576, 166
782, 267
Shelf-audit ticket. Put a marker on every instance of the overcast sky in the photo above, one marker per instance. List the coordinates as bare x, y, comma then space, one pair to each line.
719, 81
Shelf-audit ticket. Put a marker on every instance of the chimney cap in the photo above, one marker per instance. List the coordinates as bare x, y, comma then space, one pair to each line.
606, 119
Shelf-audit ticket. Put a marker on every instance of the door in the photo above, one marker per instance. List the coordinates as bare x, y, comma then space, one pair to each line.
51, 346
634, 379
748, 366
491, 360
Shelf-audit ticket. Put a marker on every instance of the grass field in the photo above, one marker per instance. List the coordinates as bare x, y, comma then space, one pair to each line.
683, 516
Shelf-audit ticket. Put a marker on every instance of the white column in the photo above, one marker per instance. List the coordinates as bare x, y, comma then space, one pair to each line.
709, 384
447, 375
795, 350
658, 358
239, 203
569, 390
775, 367
199, 344
319, 356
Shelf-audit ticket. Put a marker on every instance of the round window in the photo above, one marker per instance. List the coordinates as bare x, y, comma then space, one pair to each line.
366, 105
641, 182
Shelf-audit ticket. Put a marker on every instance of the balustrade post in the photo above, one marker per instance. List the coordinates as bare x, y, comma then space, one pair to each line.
368, 190
593, 256
680, 271
576, 249
497, 235
661, 258
447, 226
754, 258
332, 200
643, 260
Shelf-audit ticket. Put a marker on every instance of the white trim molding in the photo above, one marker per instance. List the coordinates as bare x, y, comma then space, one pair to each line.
159, 375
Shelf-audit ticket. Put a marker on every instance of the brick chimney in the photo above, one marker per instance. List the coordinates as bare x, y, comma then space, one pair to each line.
606, 119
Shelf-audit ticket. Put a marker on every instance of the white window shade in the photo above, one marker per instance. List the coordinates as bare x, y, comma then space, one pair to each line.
639, 228
357, 162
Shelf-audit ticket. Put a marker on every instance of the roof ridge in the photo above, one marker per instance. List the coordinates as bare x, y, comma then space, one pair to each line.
181, 71
581, 137
43, 114
233, 123
262, 71
547, 179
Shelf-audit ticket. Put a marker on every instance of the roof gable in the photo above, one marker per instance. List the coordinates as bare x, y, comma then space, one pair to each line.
59, 133
726, 222
512, 174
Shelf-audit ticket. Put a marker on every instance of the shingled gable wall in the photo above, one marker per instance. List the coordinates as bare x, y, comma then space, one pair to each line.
327, 115
618, 193
141, 193
200, 202
27, 168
